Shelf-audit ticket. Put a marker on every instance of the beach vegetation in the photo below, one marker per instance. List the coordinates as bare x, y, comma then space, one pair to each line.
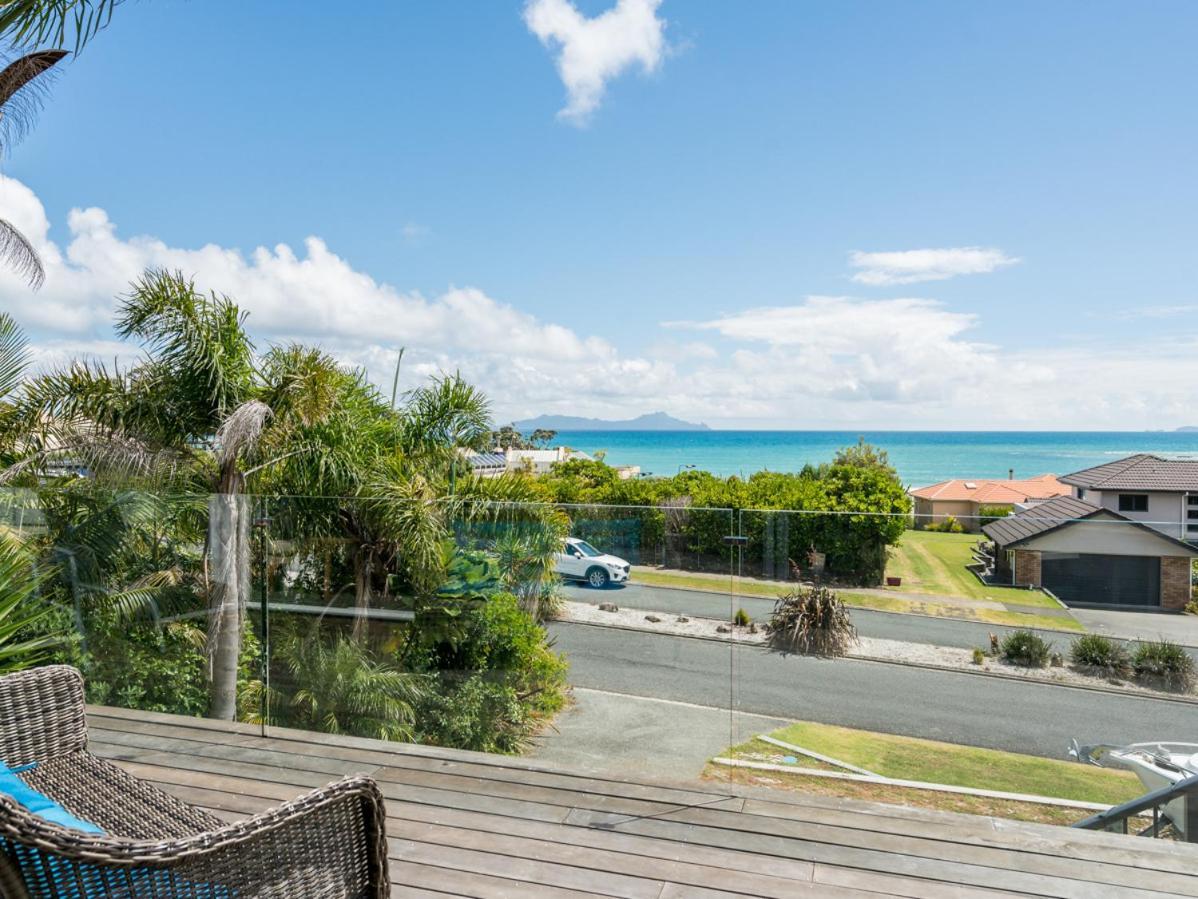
1026, 649
811, 621
1096, 654
1162, 663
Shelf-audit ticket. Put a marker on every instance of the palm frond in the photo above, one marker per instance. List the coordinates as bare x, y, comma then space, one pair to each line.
20, 256
29, 23
14, 354
24, 83
239, 433
20, 588
444, 415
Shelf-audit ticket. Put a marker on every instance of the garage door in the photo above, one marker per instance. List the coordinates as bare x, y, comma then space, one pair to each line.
1103, 580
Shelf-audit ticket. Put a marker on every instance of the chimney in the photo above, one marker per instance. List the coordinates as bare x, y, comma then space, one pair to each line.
1010, 474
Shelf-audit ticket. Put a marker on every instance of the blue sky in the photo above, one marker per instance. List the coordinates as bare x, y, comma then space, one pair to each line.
661, 253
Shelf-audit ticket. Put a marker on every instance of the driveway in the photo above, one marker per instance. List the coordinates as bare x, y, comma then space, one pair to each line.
1181, 629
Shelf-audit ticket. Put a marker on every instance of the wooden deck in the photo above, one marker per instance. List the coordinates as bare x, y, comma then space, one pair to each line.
467, 824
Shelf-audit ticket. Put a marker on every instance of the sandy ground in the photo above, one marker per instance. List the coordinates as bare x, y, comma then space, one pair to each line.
866, 648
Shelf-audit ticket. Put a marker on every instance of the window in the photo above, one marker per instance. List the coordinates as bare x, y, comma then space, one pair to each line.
1081, 492
1192, 499
1133, 502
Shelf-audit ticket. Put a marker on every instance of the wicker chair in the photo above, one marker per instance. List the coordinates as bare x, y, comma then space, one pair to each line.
328, 843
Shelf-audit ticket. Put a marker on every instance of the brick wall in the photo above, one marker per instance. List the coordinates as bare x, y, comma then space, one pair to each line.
1175, 582
1027, 567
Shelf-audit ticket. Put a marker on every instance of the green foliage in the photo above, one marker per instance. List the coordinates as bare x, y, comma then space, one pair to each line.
865, 455
813, 621
987, 514
741, 618
1163, 664
947, 525
1099, 654
57, 23
497, 677
978, 656
334, 684
680, 521
1026, 649
23, 611
145, 667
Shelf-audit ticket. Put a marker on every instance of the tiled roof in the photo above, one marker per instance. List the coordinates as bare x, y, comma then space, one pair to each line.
1040, 518
993, 490
1139, 472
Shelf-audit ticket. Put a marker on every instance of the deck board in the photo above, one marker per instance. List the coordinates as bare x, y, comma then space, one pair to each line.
467, 824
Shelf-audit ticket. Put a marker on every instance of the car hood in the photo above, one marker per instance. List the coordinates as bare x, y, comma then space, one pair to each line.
605, 559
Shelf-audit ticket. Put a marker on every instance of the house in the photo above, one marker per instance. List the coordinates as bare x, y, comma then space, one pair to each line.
486, 465
1159, 492
1087, 554
963, 499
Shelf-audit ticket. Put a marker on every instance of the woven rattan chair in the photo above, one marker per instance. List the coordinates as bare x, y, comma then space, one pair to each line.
328, 843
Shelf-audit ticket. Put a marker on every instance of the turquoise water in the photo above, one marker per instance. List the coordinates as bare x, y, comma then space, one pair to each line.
921, 457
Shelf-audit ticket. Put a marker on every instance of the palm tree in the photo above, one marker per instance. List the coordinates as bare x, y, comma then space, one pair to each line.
195, 414
29, 23
21, 91
20, 589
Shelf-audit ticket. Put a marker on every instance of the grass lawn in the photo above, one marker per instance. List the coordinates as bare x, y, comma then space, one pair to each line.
931, 562
895, 602
908, 758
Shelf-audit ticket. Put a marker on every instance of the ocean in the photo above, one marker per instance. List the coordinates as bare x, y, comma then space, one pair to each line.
921, 457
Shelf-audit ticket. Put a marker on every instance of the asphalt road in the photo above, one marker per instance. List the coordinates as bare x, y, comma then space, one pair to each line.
881, 625
960, 708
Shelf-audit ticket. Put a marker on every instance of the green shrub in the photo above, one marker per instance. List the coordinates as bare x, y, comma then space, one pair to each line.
947, 525
812, 621
497, 676
1098, 654
1192, 607
979, 655
1163, 664
987, 514
741, 618
1026, 649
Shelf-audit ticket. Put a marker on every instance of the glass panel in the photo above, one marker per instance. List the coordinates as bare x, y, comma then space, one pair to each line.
972, 641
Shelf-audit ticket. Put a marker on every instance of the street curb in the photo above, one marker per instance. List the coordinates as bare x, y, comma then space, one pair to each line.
877, 660
1053, 630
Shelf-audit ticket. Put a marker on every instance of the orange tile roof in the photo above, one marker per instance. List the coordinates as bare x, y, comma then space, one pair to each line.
994, 490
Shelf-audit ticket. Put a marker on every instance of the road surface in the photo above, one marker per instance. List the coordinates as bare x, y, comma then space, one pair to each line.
881, 625
960, 708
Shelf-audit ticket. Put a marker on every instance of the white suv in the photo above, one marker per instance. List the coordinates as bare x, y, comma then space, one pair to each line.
580, 561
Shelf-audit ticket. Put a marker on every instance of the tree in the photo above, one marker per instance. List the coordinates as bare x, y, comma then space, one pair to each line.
196, 413
541, 436
865, 455
20, 587
22, 84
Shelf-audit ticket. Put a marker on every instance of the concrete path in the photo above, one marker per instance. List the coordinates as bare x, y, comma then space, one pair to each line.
961, 708
613, 733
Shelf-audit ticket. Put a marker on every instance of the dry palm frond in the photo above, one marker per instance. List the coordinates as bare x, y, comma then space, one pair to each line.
240, 432
812, 621
23, 86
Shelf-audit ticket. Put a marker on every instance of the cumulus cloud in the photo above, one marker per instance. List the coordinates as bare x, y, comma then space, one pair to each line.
820, 362
913, 266
592, 51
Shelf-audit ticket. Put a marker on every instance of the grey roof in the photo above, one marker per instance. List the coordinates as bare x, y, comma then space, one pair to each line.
487, 460
1039, 519
1138, 472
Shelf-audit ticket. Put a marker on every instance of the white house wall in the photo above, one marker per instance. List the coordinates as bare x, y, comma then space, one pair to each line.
1106, 537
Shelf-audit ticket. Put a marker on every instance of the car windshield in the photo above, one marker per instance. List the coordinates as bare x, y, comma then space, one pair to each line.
586, 549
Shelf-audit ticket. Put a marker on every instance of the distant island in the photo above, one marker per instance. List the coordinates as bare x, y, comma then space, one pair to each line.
651, 421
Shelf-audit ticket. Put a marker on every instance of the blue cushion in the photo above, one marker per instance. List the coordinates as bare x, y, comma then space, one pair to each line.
48, 876
42, 806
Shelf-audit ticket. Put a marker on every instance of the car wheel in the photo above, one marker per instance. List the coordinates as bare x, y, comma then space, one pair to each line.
597, 578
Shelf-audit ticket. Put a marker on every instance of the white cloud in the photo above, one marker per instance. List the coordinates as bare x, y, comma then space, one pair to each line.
912, 266
821, 362
592, 51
